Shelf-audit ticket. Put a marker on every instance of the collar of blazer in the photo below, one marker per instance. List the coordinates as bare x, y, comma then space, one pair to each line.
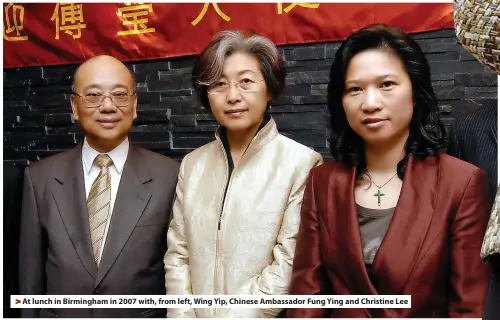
134, 162
263, 137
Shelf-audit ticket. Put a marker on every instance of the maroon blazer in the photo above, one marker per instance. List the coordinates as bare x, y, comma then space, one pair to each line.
431, 249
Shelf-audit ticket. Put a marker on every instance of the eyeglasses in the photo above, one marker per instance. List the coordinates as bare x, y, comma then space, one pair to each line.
95, 100
244, 85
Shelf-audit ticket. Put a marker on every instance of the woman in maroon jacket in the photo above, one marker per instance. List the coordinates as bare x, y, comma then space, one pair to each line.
391, 215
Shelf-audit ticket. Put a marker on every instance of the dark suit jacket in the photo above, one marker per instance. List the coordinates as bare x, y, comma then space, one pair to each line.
12, 196
473, 138
55, 252
431, 250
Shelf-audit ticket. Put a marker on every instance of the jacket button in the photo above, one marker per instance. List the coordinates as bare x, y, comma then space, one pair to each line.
96, 291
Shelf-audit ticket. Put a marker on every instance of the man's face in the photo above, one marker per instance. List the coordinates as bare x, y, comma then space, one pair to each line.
104, 102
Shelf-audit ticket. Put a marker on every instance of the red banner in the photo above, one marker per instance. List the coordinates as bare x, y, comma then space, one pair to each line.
67, 33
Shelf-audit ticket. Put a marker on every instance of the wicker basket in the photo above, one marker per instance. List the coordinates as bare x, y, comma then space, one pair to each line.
477, 25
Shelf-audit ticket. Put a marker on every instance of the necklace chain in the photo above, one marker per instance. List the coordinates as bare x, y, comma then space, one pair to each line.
380, 187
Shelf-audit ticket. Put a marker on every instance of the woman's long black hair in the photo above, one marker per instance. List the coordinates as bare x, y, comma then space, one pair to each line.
427, 132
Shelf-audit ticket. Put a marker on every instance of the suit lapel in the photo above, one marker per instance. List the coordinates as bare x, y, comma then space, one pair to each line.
347, 245
401, 245
491, 119
493, 134
132, 197
69, 195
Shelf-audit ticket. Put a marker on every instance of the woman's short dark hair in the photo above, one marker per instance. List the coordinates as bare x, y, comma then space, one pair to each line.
427, 133
209, 65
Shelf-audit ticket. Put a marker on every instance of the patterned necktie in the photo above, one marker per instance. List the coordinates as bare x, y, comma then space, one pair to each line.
98, 203
491, 242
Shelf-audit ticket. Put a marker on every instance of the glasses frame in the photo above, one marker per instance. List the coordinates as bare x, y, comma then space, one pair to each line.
104, 96
237, 86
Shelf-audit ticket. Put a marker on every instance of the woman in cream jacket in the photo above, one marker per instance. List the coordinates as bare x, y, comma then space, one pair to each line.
237, 208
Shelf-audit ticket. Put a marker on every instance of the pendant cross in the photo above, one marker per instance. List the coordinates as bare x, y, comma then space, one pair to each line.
379, 195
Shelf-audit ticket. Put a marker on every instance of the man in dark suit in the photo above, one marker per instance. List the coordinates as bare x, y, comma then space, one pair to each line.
473, 138
483, 45
94, 218
12, 195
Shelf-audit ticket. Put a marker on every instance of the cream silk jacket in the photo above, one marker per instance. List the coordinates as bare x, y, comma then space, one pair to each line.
243, 245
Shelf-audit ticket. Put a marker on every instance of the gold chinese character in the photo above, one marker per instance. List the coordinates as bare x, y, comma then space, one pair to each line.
71, 19
132, 18
293, 5
205, 9
16, 14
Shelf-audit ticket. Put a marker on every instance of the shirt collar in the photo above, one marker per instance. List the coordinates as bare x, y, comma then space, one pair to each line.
118, 155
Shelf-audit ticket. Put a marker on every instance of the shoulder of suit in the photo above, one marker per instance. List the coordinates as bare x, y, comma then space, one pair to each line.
330, 167
455, 173
480, 116
449, 166
54, 162
447, 162
155, 158
201, 151
298, 150
454, 166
